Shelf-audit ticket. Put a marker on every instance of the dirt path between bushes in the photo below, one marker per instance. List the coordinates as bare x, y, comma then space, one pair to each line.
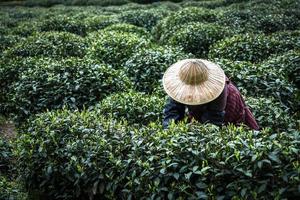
7, 130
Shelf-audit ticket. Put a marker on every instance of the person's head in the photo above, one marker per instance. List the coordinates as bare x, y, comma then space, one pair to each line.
194, 81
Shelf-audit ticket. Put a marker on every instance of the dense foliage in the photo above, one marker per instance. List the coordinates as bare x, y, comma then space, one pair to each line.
5, 156
7, 41
134, 107
257, 80
51, 84
245, 20
166, 27
196, 38
254, 47
11, 189
82, 154
82, 85
143, 18
268, 111
288, 64
114, 47
147, 66
128, 28
53, 44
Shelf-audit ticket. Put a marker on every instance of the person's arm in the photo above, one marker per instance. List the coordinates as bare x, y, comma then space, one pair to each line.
173, 111
216, 110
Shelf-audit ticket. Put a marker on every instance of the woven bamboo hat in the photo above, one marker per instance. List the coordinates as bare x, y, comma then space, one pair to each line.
194, 81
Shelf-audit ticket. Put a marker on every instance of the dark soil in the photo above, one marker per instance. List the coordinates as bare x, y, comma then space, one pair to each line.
7, 130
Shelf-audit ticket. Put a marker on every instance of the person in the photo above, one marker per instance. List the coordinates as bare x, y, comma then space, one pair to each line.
202, 88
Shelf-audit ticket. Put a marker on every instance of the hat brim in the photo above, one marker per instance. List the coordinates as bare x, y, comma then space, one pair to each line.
196, 94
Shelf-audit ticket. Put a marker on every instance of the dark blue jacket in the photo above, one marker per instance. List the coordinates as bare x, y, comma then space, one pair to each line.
212, 112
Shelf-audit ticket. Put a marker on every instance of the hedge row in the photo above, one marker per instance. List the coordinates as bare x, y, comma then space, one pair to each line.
114, 47
7, 41
52, 44
287, 64
170, 24
145, 68
258, 80
81, 155
128, 28
52, 84
255, 47
269, 112
246, 20
143, 18
134, 107
11, 189
197, 38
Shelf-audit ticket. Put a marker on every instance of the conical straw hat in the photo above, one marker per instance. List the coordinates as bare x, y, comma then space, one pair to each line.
194, 81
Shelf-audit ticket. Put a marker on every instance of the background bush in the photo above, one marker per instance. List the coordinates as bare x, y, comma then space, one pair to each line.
51, 44
25, 29
114, 47
51, 84
83, 155
7, 41
253, 47
10, 70
287, 64
145, 68
268, 110
276, 22
134, 107
143, 18
256, 80
128, 28
176, 20
64, 23
98, 22
196, 38
256, 20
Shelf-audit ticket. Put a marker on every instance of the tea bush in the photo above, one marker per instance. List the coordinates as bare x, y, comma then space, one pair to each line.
128, 28
256, 80
51, 44
276, 22
25, 29
176, 20
64, 23
7, 41
51, 84
246, 20
48, 3
211, 4
271, 113
288, 64
253, 47
134, 107
114, 47
145, 68
143, 18
84, 155
238, 20
98, 22
10, 189
196, 38
9, 71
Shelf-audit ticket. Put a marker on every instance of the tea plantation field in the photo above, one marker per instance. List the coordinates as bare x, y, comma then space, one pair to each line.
80, 83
